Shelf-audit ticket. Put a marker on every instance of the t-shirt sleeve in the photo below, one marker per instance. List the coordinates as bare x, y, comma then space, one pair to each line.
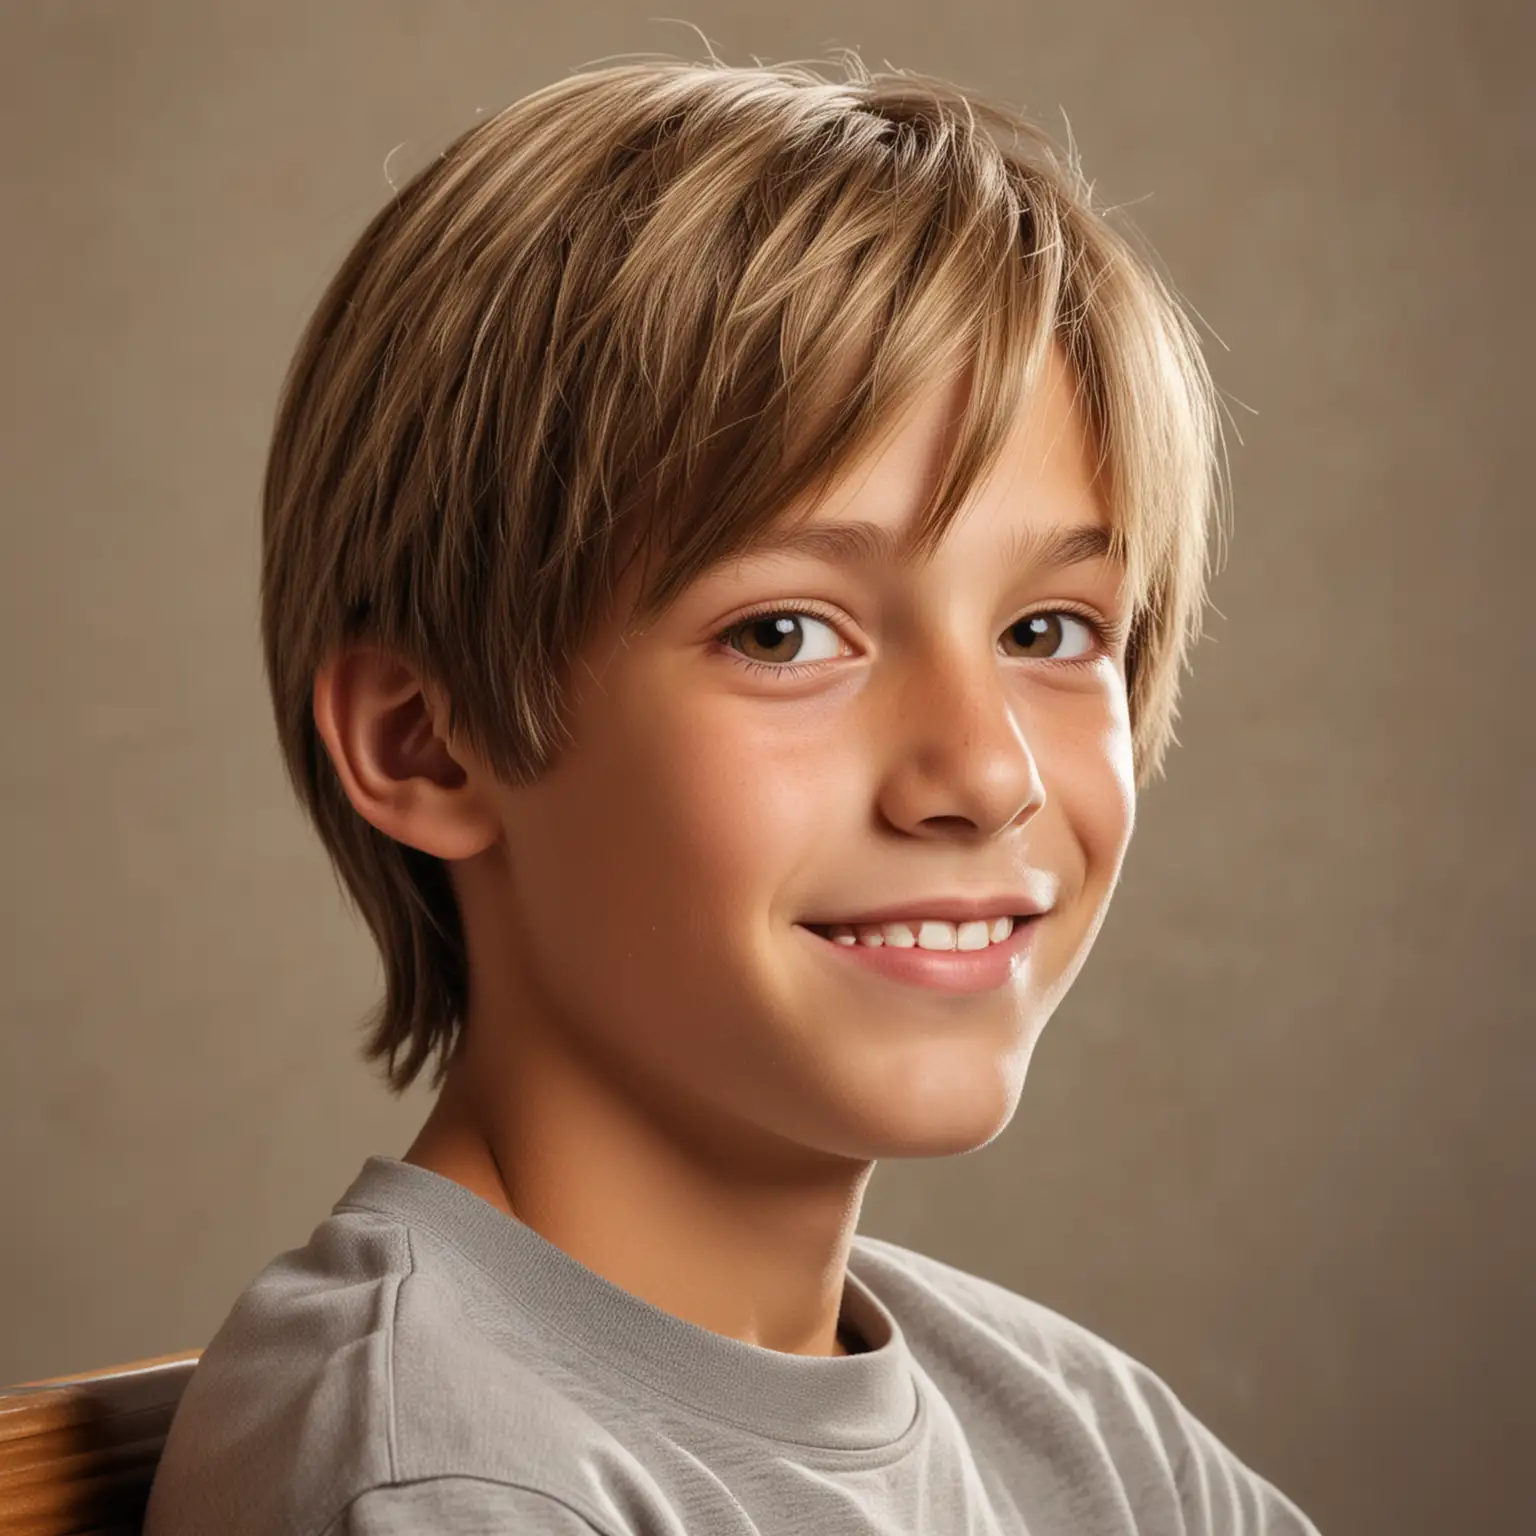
1219, 1494
1167, 1455
460, 1506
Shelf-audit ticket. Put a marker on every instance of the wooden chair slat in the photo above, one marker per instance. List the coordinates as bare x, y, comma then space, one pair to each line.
130, 1429
34, 1407
52, 1458
78, 1453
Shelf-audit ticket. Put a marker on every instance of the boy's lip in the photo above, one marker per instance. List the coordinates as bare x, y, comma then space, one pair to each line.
987, 970
953, 909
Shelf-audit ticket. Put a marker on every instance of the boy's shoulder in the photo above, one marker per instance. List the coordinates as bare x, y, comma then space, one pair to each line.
949, 1312
1059, 1380
359, 1362
423, 1363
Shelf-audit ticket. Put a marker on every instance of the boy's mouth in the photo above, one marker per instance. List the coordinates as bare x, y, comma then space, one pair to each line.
997, 965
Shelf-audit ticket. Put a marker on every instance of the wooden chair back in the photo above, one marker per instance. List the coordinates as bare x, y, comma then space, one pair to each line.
78, 1453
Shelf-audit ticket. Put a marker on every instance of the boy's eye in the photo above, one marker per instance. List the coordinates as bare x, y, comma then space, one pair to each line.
772, 639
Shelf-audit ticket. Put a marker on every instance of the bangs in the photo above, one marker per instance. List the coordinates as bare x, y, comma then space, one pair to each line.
918, 253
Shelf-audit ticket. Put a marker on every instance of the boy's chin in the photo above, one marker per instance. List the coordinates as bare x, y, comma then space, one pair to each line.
926, 1123
952, 1139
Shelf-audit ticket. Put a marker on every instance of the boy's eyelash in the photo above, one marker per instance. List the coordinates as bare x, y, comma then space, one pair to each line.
1109, 633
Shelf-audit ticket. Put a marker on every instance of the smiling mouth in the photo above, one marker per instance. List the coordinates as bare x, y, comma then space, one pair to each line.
996, 967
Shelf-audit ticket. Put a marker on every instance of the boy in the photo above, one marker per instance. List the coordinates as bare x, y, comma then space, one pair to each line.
654, 504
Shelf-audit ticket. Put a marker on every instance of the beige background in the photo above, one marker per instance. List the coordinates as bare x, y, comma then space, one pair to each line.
1277, 1142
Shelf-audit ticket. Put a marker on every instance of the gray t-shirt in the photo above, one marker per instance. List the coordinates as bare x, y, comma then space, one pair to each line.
427, 1363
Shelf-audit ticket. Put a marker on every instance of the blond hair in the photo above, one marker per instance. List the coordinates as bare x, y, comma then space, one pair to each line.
623, 309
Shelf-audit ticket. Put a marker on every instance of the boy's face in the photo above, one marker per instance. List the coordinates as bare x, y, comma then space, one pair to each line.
638, 919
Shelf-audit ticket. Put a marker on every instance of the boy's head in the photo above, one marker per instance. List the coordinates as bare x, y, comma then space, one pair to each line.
578, 742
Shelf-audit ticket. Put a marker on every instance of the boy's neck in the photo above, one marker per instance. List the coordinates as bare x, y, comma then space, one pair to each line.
452, 1144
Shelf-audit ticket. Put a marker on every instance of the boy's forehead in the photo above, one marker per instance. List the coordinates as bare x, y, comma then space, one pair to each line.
1044, 546
1044, 466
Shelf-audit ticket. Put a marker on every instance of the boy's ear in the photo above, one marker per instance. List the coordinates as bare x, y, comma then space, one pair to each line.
385, 731
435, 704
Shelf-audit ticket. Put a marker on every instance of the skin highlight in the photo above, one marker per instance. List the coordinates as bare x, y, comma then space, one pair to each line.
661, 1072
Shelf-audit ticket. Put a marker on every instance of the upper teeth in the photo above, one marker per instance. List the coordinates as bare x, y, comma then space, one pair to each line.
925, 933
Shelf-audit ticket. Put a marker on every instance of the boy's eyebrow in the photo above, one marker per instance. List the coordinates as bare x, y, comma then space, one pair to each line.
860, 543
